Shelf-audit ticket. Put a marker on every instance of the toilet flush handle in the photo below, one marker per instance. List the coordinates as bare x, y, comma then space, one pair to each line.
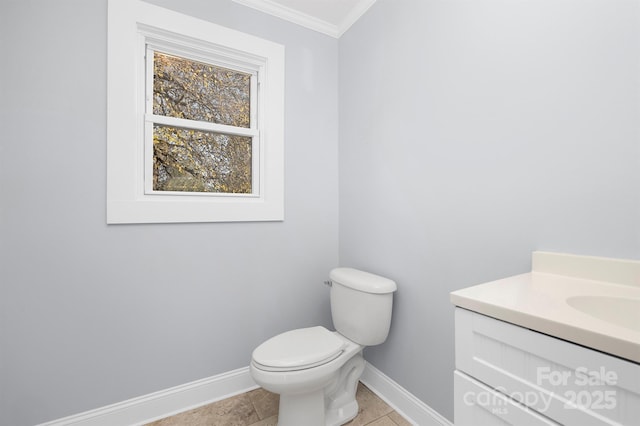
328, 283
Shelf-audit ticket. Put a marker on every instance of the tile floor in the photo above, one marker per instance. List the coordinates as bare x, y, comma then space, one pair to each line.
260, 408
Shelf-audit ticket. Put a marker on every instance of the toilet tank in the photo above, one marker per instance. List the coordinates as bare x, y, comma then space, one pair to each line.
361, 305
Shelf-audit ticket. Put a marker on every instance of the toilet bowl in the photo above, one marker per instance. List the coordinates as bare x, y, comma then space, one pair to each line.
316, 371
317, 383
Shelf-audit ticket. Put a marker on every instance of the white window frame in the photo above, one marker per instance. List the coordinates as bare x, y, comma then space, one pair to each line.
135, 26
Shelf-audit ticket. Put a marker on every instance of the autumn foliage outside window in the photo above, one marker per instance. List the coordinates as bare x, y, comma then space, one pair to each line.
203, 136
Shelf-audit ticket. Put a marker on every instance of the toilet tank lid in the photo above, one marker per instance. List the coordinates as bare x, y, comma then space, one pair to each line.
362, 281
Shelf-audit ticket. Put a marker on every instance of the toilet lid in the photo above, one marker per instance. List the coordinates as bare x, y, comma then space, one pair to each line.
298, 349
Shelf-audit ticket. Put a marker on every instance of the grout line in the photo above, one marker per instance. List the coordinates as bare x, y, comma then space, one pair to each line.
253, 404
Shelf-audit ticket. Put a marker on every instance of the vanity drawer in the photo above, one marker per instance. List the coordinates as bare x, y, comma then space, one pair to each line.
561, 380
482, 405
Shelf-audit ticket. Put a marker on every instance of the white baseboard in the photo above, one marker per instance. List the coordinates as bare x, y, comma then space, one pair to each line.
164, 403
407, 405
157, 405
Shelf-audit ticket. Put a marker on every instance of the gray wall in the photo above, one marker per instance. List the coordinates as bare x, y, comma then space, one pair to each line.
92, 314
472, 133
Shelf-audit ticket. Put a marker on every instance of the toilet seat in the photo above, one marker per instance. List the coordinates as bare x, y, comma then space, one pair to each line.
298, 350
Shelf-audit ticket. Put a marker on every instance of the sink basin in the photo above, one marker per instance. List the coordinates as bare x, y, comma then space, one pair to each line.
620, 311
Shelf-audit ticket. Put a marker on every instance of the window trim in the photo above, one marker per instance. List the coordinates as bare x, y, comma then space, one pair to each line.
131, 26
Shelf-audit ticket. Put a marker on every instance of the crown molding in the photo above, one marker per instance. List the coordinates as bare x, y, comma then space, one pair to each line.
292, 15
352, 17
311, 22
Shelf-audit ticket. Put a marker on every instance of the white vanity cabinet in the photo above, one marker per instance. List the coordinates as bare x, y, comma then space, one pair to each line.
507, 374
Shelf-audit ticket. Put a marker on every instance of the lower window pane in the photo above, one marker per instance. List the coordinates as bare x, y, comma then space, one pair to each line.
198, 161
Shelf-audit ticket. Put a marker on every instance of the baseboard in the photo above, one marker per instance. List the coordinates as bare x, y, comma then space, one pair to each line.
157, 405
164, 403
407, 405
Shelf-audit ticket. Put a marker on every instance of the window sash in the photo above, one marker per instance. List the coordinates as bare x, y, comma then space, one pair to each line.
150, 119
200, 125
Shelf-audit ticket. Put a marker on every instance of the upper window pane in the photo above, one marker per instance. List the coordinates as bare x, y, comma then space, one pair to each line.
193, 90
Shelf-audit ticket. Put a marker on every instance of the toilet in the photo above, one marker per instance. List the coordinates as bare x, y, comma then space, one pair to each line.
316, 371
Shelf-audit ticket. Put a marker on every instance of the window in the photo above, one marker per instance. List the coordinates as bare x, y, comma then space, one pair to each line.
195, 120
199, 131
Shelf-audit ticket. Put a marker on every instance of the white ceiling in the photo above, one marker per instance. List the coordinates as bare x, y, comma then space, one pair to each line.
331, 17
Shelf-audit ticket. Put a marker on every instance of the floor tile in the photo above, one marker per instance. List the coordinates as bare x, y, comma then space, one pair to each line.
383, 421
265, 402
234, 411
271, 421
398, 419
260, 408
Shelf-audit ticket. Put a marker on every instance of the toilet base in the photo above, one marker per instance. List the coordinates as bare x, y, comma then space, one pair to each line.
341, 399
302, 409
333, 405
342, 415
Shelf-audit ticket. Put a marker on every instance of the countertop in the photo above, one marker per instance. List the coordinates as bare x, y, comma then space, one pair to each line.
537, 300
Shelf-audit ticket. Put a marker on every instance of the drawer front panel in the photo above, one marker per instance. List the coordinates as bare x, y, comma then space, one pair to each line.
478, 404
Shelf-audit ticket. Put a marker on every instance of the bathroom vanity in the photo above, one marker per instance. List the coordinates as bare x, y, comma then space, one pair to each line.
558, 345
